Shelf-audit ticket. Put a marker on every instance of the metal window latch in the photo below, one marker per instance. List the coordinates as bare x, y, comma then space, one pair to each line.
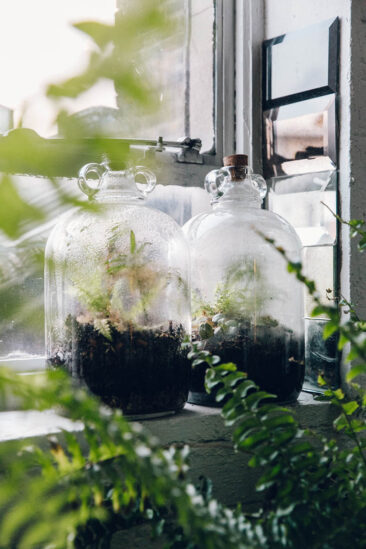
190, 151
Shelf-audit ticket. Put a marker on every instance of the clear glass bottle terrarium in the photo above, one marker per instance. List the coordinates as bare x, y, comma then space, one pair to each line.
117, 296
246, 307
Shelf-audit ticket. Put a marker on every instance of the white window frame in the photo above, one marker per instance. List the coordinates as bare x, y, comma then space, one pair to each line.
238, 93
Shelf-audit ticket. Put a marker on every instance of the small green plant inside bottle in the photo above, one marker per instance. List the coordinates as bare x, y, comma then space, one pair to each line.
112, 345
236, 327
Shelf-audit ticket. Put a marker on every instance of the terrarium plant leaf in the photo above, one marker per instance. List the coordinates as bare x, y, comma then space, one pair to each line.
132, 242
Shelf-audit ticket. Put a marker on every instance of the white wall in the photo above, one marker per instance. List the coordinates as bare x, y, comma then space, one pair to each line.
283, 16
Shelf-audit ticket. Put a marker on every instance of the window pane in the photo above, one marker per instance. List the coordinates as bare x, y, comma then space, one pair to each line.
38, 46
182, 66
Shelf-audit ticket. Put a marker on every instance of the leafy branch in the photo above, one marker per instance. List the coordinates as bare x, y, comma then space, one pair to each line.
111, 475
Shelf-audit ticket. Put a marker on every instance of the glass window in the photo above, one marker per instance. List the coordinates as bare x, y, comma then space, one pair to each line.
49, 50
182, 66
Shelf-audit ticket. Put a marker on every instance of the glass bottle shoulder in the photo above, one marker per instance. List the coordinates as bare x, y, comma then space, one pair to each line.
79, 227
218, 219
241, 224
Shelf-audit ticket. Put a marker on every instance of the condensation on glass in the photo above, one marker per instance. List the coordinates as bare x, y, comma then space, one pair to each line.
117, 296
246, 307
21, 276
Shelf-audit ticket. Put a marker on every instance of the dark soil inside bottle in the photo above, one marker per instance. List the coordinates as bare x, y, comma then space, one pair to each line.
141, 371
272, 357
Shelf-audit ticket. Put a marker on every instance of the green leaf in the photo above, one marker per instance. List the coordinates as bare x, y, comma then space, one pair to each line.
294, 267
355, 371
74, 448
340, 423
329, 329
252, 441
343, 340
339, 394
300, 448
358, 426
350, 407
227, 367
246, 425
206, 331
132, 242
211, 379
15, 212
245, 386
317, 311
277, 421
268, 478
352, 355
101, 33
221, 394
254, 400
233, 379
321, 381
197, 362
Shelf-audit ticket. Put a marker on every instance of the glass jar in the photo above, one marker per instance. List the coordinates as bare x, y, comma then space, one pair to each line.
117, 296
246, 307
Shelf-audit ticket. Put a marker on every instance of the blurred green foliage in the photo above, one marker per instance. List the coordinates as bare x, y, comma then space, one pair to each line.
81, 488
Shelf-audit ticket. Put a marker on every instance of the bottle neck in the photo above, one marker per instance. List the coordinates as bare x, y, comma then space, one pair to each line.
238, 192
119, 186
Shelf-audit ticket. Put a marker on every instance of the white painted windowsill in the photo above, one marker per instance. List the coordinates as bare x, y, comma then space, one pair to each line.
194, 423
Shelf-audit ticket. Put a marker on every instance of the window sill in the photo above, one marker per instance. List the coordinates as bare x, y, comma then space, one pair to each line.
200, 427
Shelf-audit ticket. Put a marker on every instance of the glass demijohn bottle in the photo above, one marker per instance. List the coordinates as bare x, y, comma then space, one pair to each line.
117, 296
246, 307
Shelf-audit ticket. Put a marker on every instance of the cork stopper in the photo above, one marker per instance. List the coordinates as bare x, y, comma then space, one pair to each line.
236, 160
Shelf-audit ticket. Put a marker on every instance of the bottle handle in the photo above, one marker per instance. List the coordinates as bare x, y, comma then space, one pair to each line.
215, 180
83, 184
150, 177
260, 184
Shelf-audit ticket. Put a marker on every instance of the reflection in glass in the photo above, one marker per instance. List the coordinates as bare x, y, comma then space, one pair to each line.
318, 266
302, 200
300, 61
301, 64
300, 137
321, 356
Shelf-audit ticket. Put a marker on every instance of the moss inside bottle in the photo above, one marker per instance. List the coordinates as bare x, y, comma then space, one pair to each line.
117, 297
246, 307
